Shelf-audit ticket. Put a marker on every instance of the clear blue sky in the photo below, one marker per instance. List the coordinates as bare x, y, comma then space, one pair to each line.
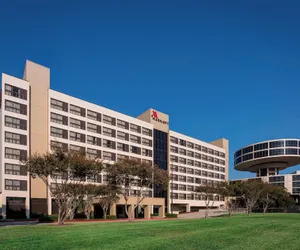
219, 70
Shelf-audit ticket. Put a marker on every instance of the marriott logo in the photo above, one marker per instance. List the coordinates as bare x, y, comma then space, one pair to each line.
156, 118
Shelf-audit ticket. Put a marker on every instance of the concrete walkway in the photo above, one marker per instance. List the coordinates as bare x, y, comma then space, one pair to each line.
17, 223
201, 214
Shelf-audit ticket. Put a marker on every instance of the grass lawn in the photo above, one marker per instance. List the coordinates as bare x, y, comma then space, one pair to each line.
272, 231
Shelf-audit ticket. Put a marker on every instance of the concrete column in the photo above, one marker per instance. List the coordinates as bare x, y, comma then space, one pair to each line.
3, 207
49, 204
188, 208
161, 211
113, 209
147, 212
27, 207
131, 211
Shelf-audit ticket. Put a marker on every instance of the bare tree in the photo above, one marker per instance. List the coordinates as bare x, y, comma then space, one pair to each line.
209, 191
107, 196
268, 196
64, 174
136, 178
229, 190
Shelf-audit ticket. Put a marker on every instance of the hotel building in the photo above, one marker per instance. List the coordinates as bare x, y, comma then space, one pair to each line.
34, 118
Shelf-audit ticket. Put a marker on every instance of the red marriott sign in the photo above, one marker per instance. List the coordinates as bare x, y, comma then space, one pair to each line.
156, 118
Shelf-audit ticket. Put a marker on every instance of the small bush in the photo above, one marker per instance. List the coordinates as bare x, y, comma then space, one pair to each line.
155, 214
171, 215
45, 219
54, 217
111, 217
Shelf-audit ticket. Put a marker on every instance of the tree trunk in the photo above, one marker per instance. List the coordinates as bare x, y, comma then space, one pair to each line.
104, 213
265, 209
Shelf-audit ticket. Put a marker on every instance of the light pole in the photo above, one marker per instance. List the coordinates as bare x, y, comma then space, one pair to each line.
171, 193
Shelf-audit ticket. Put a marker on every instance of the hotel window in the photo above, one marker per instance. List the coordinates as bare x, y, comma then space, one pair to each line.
182, 187
189, 171
198, 180
197, 156
58, 145
182, 196
74, 148
93, 128
108, 144
135, 128
216, 168
109, 120
122, 157
135, 139
210, 174
147, 152
222, 155
15, 185
210, 151
182, 142
174, 168
15, 107
198, 164
189, 188
190, 179
14, 169
146, 131
123, 147
204, 165
75, 110
55, 104
217, 176
174, 158
174, 149
93, 140
135, 150
93, 115
108, 132
15, 138
60, 119
94, 178
58, 132
190, 162
182, 151
216, 160
197, 147
210, 167
174, 177
15, 92
93, 153
77, 137
198, 172
182, 160
136, 159
216, 153
291, 143
77, 123
190, 197
204, 149
13, 122
16, 154
147, 161
122, 124
122, 136
174, 186
190, 145
108, 156
182, 169
291, 151
222, 170
146, 142
174, 196
276, 144
222, 162
204, 173
190, 153
174, 140
211, 159
204, 157
222, 176
182, 178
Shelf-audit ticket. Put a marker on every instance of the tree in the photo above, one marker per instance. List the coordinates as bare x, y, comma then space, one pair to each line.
90, 193
64, 174
108, 195
209, 191
268, 196
136, 178
229, 190
283, 199
250, 190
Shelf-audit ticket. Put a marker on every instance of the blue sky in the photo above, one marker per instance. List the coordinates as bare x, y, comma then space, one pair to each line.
219, 70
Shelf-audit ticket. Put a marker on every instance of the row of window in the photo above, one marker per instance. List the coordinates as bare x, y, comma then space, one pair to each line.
15, 107
63, 106
15, 138
181, 196
190, 162
196, 172
15, 154
265, 153
15, 185
195, 146
16, 123
94, 153
189, 179
266, 145
15, 91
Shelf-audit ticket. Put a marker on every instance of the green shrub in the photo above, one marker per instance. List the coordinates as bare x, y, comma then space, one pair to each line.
171, 215
155, 214
54, 217
45, 219
111, 217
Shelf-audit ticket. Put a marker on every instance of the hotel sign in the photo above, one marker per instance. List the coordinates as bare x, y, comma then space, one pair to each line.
155, 117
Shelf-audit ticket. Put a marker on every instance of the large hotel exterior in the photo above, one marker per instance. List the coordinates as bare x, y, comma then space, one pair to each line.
34, 118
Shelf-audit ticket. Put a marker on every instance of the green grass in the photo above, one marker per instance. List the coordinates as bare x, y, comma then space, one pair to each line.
272, 231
